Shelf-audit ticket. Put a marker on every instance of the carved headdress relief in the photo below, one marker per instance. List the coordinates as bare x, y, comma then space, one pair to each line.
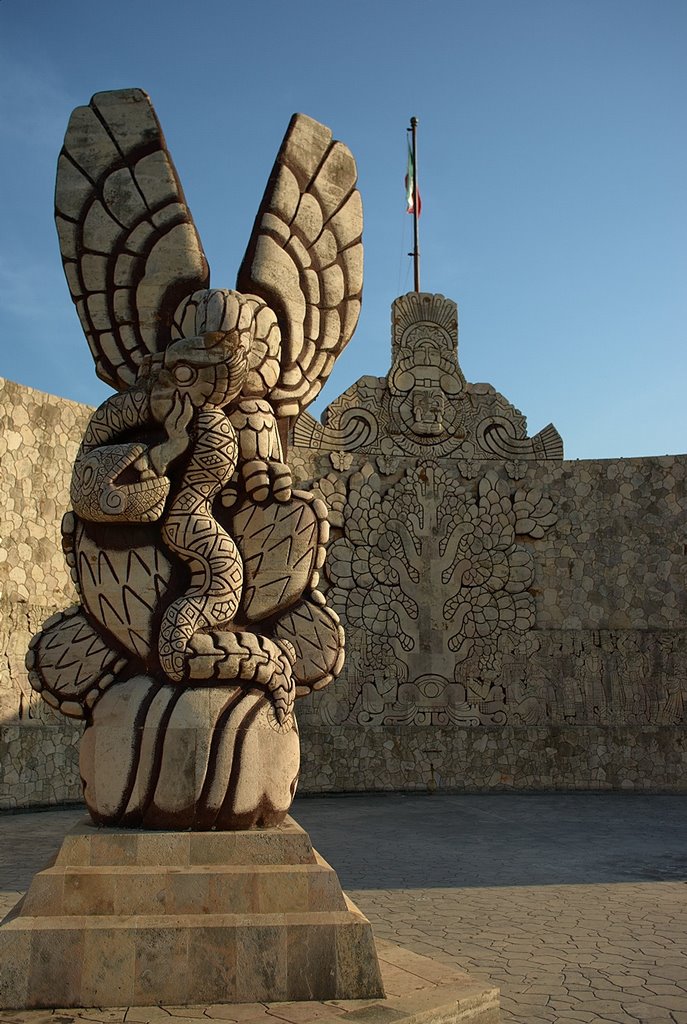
424, 406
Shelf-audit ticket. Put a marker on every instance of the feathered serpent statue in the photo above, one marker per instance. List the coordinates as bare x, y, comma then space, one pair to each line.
196, 564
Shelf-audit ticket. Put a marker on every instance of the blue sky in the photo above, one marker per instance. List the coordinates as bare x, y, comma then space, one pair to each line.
552, 166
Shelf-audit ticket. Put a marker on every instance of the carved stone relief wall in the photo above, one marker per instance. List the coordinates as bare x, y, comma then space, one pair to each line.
511, 619
433, 575
477, 599
508, 626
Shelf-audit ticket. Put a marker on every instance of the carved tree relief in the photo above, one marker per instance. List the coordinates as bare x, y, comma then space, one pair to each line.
433, 577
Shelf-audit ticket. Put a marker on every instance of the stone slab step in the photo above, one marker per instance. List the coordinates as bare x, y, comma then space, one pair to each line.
86, 845
115, 961
135, 918
199, 889
418, 991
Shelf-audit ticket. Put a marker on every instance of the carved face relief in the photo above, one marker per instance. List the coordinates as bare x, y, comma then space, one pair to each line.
423, 395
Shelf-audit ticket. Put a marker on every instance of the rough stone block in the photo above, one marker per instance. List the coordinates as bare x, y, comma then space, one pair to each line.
54, 975
312, 955
161, 963
212, 965
15, 964
261, 962
109, 963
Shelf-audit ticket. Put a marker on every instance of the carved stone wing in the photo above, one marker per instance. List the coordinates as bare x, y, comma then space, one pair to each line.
129, 246
305, 258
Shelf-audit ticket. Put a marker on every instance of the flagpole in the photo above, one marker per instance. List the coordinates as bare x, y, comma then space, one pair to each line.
416, 234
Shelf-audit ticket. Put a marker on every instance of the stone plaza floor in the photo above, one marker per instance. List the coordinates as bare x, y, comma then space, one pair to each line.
575, 905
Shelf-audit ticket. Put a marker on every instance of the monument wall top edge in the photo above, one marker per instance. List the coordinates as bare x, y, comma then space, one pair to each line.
7, 384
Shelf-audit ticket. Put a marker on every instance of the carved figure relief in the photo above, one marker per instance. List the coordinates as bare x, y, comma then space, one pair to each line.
196, 562
615, 677
433, 579
425, 407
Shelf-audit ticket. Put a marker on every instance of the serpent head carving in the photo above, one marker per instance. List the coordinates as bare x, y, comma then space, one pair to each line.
209, 369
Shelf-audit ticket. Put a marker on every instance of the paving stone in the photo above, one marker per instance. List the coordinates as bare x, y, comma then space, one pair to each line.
146, 1015
304, 1012
193, 1012
668, 1002
238, 1012
111, 1016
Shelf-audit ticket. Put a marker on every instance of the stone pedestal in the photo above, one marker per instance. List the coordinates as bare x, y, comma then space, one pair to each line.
126, 917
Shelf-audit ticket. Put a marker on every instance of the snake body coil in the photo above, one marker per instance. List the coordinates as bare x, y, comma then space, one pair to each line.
191, 531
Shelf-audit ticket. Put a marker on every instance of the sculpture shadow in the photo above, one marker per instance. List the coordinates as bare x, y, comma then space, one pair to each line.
418, 841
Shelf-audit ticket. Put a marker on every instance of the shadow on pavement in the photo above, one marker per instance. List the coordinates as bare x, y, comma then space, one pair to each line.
386, 841
417, 841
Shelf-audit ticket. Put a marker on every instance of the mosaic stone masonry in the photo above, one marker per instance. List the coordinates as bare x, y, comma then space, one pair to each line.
39, 437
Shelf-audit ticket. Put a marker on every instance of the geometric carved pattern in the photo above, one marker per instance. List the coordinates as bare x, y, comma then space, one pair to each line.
123, 588
94, 484
317, 638
281, 546
192, 532
76, 664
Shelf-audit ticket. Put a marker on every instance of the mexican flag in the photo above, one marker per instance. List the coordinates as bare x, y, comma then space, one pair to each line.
410, 185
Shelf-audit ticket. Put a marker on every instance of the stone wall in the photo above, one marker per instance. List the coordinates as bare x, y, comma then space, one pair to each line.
556, 661
511, 622
39, 436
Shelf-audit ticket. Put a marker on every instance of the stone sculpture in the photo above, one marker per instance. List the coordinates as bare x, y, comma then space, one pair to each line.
197, 564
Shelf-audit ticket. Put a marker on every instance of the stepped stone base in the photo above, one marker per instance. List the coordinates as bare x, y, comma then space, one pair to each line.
126, 917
